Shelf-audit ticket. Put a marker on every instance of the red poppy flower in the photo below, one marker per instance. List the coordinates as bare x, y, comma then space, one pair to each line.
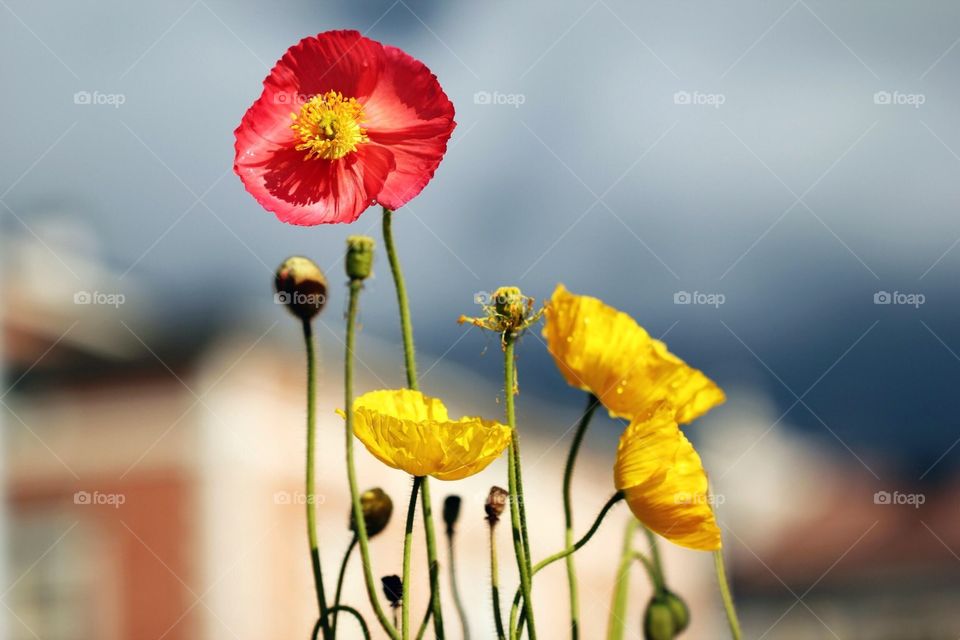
343, 122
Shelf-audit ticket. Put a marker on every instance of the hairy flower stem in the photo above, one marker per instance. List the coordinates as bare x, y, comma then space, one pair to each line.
340, 578
495, 583
310, 480
518, 517
560, 555
728, 605
360, 523
592, 404
655, 558
407, 550
621, 589
410, 365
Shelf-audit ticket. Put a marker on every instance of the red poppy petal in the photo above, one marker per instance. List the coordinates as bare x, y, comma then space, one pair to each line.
408, 113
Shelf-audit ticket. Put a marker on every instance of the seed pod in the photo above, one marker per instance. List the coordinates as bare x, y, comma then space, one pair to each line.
496, 503
377, 508
451, 512
301, 286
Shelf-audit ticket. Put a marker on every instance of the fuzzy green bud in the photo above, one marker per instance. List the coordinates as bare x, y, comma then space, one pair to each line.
679, 609
658, 622
301, 286
359, 257
377, 508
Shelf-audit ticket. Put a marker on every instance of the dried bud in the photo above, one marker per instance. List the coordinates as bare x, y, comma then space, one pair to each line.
359, 257
377, 509
679, 609
393, 590
658, 622
451, 512
496, 503
507, 312
301, 286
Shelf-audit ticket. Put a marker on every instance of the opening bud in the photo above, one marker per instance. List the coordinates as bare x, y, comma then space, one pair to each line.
496, 503
301, 286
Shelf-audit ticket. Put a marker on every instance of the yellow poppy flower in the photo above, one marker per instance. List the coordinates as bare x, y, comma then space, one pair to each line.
407, 430
604, 351
664, 481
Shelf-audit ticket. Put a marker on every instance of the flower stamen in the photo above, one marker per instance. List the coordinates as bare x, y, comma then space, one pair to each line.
329, 126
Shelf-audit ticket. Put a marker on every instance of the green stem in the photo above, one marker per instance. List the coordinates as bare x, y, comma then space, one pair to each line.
495, 583
592, 404
454, 587
340, 578
517, 508
407, 550
361, 525
310, 480
410, 365
621, 588
356, 614
655, 579
655, 557
426, 620
560, 555
725, 594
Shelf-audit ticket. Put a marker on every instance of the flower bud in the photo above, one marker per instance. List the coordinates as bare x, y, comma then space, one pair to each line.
658, 622
679, 609
301, 286
496, 503
377, 508
359, 257
393, 590
451, 512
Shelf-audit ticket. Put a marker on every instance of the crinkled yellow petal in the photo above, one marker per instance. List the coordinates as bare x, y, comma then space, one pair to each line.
407, 430
664, 481
604, 351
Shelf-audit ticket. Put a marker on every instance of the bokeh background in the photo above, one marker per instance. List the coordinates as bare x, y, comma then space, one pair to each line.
771, 186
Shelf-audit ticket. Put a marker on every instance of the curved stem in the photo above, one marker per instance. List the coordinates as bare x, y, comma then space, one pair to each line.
517, 510
592, 404
340, 578
560, 555
361, 525
407, 550
410, 366
728, 605
495, 584
621, 589
356, 614
655, 557
425, 622
454, 588
310, 475
655, 579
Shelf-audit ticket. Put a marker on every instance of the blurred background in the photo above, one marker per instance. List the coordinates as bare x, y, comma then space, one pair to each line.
770, 186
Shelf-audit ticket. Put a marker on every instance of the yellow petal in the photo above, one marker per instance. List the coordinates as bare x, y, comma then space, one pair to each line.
604, 351
664, 481
410, 431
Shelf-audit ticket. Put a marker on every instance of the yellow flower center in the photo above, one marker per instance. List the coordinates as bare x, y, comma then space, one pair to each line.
329, 126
